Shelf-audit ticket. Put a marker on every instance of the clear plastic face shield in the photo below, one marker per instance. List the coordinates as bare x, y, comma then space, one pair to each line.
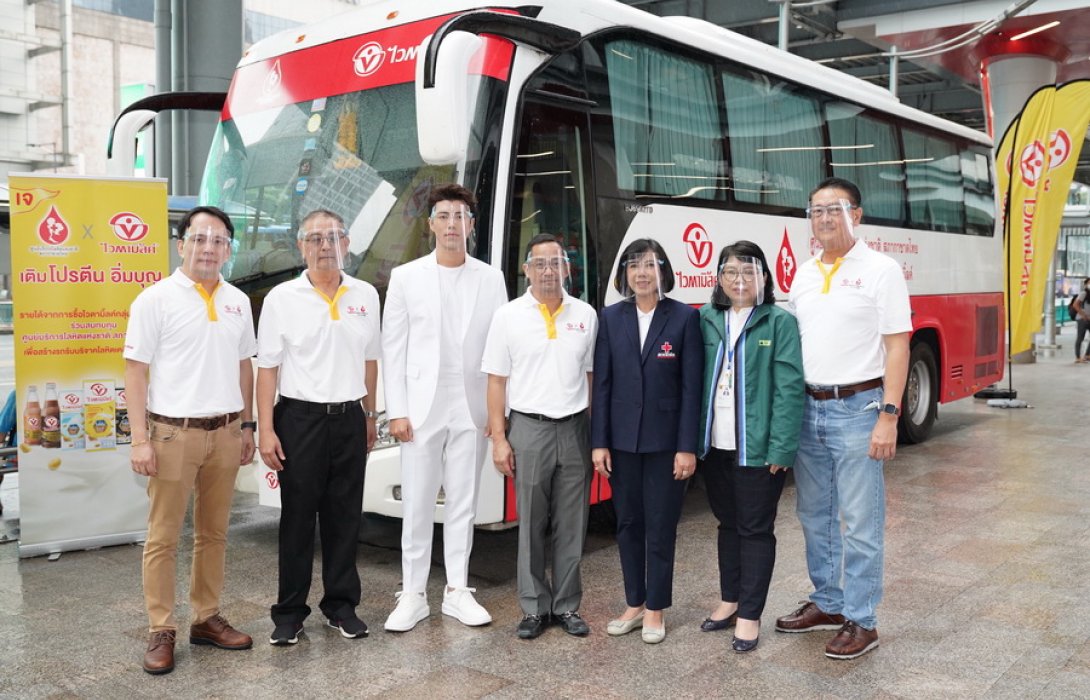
832, 220
205, 248
324, 245
641, 277
743, 281
451, 222
549, 274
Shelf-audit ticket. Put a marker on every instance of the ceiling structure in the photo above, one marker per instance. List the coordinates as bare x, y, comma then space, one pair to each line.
857, 36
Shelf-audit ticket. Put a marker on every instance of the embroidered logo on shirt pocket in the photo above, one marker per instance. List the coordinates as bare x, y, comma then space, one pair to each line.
764, 342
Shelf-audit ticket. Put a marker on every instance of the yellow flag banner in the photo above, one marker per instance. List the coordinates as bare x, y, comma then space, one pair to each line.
81, 250
1036, 160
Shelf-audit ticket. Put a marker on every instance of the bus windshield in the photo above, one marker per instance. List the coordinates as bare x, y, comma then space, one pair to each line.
354, 154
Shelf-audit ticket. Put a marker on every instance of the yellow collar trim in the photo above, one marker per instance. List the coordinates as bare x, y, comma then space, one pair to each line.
334, 314
828, 274
209, 299
550, 319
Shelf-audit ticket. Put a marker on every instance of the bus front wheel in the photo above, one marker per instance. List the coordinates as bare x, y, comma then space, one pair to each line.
920, 404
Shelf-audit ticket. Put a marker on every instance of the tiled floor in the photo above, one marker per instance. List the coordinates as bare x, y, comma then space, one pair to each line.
987, 582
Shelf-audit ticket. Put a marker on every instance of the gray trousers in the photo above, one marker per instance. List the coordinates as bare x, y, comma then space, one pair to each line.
552, 488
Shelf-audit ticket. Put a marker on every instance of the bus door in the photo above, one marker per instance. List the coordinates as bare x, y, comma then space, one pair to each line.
550, 193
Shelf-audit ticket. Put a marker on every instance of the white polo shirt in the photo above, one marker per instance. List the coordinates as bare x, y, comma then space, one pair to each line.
194, 361
545, 375
842, 327
321, 358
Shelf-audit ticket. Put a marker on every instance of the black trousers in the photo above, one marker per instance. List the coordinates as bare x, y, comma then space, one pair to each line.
1081, 327
744, 501
323, 477
647, 499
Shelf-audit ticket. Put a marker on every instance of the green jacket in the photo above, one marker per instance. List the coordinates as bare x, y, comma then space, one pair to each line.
769, 384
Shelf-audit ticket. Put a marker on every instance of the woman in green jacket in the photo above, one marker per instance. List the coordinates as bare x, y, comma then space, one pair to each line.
751, 415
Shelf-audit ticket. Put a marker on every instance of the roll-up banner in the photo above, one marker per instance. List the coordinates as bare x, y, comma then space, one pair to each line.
81, 250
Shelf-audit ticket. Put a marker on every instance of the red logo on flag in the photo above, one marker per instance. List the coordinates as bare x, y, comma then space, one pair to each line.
698, 245
129, 227
53, 229
785, 264
1032, 163
1059, 148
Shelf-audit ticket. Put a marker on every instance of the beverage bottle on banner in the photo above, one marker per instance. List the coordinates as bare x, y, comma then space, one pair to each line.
51, 418
99, 415
72, 419
124, 434
32, 417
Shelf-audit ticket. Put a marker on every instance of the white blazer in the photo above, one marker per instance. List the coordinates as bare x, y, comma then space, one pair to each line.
411, 324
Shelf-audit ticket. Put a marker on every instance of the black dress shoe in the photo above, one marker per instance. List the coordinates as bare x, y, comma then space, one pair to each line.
743, 645
573, 624
710, 625
532, 626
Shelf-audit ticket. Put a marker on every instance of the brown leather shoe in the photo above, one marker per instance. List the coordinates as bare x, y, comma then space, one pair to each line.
159, 658
808, 618
851, 641
217, 632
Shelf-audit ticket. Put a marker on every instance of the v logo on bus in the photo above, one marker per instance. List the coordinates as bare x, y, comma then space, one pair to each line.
698, 245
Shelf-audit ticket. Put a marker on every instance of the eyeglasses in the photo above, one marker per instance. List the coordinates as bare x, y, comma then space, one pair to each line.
317, 239
445, 216
832, 210
748, 274
200, 239
542, 264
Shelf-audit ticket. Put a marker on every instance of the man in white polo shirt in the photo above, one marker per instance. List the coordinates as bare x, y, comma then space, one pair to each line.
539, 354
318, 345
855, 322
187, 359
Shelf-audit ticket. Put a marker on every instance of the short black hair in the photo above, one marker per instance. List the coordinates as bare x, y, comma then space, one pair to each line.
638, 247
451, 192
741, 249
543, 238
183, 224
854, 195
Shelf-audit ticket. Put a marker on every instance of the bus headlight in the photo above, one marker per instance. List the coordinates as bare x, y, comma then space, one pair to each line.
384, 439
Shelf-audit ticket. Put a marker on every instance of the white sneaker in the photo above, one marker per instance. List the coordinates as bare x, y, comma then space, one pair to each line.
411, 609
462, 606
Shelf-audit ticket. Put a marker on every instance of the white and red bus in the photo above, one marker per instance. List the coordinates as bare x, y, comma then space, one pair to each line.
600, 123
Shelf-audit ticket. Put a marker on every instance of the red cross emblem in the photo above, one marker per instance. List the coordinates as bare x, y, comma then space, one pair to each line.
666, 347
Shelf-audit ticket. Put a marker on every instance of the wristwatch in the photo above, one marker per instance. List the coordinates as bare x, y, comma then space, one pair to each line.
252, 425
369, 414
891, 409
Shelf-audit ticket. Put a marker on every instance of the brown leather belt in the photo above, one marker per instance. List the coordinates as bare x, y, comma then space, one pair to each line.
824, 393
210, 423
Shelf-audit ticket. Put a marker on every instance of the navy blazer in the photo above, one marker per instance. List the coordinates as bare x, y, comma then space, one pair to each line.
648, 401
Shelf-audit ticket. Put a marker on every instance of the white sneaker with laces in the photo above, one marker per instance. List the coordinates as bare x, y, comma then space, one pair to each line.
411, 609
462, 606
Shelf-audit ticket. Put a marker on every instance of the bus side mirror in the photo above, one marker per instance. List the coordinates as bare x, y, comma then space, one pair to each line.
442, 111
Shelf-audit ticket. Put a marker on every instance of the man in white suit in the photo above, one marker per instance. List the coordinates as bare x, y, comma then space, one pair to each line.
438, 310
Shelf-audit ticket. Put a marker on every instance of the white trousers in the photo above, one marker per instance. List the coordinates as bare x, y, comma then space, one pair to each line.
447, 450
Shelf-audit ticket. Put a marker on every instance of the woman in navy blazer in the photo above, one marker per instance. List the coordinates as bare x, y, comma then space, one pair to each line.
645, 426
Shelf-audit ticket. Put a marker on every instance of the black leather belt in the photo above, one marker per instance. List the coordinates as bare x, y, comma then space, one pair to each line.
329, 409
824, 393
209, 423
549, 419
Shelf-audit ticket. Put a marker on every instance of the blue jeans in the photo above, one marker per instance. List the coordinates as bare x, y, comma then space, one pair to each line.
839, 484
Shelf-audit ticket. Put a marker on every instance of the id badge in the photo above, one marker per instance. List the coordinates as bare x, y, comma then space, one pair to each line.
724, 388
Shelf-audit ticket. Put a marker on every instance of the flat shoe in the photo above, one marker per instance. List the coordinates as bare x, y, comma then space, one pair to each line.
652, 635
741, 646
618, 628
710, 625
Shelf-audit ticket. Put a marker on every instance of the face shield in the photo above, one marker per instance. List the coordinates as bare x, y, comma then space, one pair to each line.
832, 224
205, 249
324, 248
451, 223
549, 275
641, 277
743, 281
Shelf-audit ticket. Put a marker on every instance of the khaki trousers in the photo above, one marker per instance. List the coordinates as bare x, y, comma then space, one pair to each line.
202, 463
